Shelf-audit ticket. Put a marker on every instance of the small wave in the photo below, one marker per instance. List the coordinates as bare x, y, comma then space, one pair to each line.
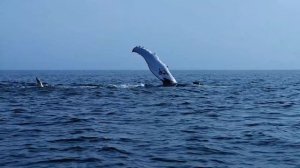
162, 104
85, 85
75, 148
186, 103
76, 120
168, 160
60, 160
19, 110
113, 149
124, 86
77, 140
208, 151
70, 159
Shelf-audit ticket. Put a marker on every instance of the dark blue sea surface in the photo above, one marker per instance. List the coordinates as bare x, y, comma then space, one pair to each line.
127, 119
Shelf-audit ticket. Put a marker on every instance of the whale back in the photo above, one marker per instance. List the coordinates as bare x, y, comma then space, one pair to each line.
156, 66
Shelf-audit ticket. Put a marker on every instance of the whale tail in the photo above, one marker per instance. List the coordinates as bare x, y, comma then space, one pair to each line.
156, 66
39, 83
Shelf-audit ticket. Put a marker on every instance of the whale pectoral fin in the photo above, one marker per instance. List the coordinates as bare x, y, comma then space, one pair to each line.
38, 82
156, 66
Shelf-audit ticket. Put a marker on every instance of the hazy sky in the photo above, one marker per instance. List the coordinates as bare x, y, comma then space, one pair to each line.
185, 34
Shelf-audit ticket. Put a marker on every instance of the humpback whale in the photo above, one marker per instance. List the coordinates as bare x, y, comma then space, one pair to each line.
39, 83
156, 66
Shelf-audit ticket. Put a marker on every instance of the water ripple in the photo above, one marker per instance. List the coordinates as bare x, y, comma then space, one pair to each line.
127, 119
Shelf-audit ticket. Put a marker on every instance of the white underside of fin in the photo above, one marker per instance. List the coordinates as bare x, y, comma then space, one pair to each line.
156, 66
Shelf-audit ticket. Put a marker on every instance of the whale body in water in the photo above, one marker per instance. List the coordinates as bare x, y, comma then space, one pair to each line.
156, 66
39, 83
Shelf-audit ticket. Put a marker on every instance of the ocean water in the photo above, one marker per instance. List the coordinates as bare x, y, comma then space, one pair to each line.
127, 119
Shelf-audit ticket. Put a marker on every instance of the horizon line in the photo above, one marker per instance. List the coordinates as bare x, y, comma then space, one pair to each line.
148, 70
